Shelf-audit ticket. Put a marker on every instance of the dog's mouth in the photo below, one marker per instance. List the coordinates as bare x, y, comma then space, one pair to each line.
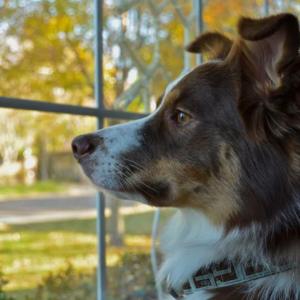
125, 183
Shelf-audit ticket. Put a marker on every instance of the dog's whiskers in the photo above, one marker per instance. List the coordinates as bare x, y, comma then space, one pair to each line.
134, 184
134, 164
122, 181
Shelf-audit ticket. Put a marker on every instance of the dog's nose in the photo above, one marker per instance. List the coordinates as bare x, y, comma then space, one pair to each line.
85, 144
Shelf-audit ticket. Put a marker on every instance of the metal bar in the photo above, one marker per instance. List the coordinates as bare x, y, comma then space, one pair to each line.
266, 7
154, 262
42, 106
101, 249
46, 106
199, 16
198, 5
101, 268
111, 114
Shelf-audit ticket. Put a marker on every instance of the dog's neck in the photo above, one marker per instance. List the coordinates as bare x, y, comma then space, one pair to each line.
190, 238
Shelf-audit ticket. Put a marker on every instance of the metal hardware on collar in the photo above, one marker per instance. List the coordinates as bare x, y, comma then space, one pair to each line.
226, 274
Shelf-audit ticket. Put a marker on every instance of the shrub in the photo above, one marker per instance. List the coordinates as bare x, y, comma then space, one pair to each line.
130, 279
67, 284
3, 283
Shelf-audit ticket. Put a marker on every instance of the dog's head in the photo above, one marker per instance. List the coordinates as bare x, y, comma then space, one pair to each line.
191, 151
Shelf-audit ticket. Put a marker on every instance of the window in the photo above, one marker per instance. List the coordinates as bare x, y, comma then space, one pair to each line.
68, 67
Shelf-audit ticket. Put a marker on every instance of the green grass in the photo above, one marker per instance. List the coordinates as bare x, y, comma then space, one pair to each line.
135, 224
39, 187
29, 252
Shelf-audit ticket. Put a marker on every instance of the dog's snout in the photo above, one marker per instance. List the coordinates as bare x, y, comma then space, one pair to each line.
85, 144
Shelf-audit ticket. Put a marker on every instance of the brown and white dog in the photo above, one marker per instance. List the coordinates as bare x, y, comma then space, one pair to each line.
224, 148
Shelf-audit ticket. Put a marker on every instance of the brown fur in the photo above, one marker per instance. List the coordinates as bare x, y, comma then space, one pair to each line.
213, 44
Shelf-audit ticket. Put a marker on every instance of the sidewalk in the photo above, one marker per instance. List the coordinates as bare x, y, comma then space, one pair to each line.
54, 208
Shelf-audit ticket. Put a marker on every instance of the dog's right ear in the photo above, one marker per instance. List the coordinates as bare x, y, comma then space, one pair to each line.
214, 45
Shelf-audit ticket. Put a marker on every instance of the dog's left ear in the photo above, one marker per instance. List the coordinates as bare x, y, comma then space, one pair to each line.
212, 44
267, 58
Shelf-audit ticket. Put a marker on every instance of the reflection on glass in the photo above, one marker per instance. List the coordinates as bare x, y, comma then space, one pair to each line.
143, 50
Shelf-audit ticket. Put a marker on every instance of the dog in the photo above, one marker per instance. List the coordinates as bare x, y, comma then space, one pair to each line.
223, 148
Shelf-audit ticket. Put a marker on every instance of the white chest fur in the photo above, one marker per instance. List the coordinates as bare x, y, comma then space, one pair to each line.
189, 241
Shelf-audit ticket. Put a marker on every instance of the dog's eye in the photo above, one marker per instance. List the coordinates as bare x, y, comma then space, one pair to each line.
181, 117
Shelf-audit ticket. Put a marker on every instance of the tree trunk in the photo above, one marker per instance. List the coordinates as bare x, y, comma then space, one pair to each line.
42, 172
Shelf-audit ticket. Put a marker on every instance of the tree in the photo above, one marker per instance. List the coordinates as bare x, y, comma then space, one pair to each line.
47, 50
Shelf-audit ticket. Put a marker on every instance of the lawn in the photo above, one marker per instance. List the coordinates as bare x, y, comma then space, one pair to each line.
29, 252
37, 188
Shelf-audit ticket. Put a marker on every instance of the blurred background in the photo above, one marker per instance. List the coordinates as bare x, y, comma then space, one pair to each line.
47, 208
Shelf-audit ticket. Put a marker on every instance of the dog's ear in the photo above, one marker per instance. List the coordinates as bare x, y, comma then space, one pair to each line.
214, 45
268, 53
270, 45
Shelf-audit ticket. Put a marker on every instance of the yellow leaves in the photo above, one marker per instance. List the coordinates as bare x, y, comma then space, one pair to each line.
53, 60
61, 23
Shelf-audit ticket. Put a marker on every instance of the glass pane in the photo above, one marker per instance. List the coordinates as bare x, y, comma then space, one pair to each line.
46, 50
143, 50
47, 209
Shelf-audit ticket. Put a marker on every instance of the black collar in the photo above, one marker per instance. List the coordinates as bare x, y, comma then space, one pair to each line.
226, 274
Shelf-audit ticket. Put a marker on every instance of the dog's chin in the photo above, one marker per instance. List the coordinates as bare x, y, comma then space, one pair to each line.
112, 186
123, 195
114, 190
